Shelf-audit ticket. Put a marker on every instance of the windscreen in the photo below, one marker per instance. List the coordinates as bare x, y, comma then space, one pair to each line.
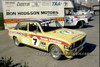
50, 25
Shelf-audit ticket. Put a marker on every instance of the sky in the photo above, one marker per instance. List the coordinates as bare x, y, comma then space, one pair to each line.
0, 6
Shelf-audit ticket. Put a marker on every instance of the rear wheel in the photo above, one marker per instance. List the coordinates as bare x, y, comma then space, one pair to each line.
16, 41
96, 12
55, 52
80, 24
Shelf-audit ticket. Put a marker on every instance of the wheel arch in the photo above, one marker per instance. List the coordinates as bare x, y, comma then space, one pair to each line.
80, 24
51, 44
14, 37
81, 21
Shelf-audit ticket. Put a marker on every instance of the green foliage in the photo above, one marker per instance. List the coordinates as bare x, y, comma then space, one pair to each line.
25, 65
1, 21
8, 62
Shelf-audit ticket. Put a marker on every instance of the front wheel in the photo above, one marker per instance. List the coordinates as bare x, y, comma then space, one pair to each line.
55, 52
16, 41
80, 24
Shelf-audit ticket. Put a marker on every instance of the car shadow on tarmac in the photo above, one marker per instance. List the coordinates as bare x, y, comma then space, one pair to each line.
91, 20
87, 50
87, 26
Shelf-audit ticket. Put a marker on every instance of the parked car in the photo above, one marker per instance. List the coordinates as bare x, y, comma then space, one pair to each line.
48, 35
91, 12
85, 12
96, 9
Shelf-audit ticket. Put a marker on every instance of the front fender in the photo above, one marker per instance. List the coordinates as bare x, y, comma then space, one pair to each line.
59, 45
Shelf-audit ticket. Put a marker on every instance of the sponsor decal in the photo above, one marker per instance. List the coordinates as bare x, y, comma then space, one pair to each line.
45, 22
67, 20
76, 36
10, 4
48, 13
46, 3
43, 47
23, 13
81, 17
25, 40
18, 33
66, 32
49, 39
65, 3
35, 41
36, 38
23, 4
72, 20
43, 43
56, 3
36, 4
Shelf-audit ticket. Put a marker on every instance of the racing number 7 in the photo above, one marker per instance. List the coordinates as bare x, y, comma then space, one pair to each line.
35, 41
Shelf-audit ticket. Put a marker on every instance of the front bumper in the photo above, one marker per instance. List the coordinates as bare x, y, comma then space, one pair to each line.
75, 51
79, 46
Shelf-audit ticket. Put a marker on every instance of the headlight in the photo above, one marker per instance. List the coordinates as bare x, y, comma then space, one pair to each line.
66, 47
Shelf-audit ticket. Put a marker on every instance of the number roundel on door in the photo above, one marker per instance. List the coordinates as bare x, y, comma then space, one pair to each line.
35, 41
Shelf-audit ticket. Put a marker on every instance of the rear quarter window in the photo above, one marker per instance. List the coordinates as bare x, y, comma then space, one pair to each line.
23, 26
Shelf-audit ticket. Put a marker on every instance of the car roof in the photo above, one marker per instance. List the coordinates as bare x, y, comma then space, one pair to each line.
38, 21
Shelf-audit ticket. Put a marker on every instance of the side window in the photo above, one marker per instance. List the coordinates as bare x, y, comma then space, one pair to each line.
68, 11
33, 27
23, 26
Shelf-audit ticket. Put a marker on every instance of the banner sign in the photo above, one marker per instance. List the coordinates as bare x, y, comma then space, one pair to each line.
15, 11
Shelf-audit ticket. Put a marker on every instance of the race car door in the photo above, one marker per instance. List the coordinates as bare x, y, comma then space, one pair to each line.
23, 31
35, 36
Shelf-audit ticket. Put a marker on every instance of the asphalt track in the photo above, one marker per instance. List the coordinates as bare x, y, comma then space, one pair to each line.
39, 58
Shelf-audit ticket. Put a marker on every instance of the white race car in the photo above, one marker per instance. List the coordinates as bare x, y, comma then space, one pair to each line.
84, 12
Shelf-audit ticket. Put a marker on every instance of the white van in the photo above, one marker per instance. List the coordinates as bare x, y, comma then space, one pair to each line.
62, 11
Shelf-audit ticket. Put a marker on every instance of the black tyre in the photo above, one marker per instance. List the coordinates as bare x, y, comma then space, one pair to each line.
80, 24
96, 12
55, 52
16, 41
